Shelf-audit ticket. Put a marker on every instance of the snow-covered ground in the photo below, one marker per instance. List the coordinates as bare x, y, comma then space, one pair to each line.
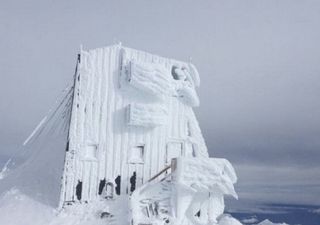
19, 209
268, 222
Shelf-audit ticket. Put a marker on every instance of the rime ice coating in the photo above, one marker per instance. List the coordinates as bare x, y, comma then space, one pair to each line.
130, 149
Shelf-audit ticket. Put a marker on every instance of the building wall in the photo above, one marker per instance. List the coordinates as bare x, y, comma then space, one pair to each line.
100, 140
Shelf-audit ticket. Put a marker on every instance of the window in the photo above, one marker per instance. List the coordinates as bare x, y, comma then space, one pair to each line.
109, 190
194, 150
118, 185
174, 73
136, 154
90, 152
79, 190
133, 180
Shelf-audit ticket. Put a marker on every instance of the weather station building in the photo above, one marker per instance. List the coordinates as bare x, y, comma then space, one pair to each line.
124, 143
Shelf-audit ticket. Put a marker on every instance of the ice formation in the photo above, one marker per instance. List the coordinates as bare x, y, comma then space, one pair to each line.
188, 95
147, 115
151, 78
205, 175
191, 194
131, 150
4, 169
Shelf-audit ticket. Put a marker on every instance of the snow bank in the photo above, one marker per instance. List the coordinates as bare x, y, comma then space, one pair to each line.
18, 209
228, 220
268, 222
40, 175
90, 214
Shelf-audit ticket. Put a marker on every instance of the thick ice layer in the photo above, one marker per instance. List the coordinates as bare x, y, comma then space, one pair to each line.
194, 194
151, 203
102, 125
153, 79
188, 95
187, 72
206, 174
194, 75
147, 115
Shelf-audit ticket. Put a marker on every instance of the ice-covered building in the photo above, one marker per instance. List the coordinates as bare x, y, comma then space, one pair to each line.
132, 137
132, 113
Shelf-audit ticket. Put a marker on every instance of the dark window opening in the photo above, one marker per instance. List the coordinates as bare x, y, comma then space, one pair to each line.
102, 185
106, 215
79, 190
133, 179
198, 214
118, 183
178, 73
173, 73
194, 150
69, 202
188, 129
109, 190
67, 147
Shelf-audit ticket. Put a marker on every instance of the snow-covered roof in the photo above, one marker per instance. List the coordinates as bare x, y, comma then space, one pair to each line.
194, 74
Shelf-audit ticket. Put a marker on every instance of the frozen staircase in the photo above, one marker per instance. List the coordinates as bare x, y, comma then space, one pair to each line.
153, 199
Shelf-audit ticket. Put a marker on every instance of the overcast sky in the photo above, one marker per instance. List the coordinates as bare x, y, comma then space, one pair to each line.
258, 61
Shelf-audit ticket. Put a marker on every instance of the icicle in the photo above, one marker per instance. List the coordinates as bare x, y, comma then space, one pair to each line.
35, 130
5, 169
49, 116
